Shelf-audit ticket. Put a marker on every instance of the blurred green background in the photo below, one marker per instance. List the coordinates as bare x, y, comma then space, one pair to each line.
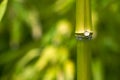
37, 40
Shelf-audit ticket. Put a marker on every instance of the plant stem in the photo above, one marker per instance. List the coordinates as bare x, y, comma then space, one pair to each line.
83, 61
83, 16
83, 26
80, 16
88, 20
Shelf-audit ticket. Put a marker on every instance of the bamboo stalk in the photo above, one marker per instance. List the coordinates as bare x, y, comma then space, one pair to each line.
88, 20
83, 33
83, 61
83, 19
79, 16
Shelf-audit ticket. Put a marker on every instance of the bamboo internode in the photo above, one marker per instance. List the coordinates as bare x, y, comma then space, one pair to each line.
83, 20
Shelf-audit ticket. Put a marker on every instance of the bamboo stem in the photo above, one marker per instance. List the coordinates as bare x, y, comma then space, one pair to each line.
88, 22
83, 16
83, 61
83, 33
80, 16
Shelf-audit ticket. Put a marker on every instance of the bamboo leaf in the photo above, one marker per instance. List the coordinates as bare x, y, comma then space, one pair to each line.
3, 5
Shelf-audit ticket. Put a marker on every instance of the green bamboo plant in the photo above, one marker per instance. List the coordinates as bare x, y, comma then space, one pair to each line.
83, 33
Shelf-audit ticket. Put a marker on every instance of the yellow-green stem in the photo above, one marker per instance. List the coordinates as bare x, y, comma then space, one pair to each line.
83, 26
88, 22
79, 16
83, 16
83, 61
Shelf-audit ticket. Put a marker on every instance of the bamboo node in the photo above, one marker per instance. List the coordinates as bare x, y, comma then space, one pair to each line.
84, 36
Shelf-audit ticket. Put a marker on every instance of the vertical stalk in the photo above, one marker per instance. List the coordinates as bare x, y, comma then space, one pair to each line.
83, 33
80, 16
83, 16
83, 61
88, 20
